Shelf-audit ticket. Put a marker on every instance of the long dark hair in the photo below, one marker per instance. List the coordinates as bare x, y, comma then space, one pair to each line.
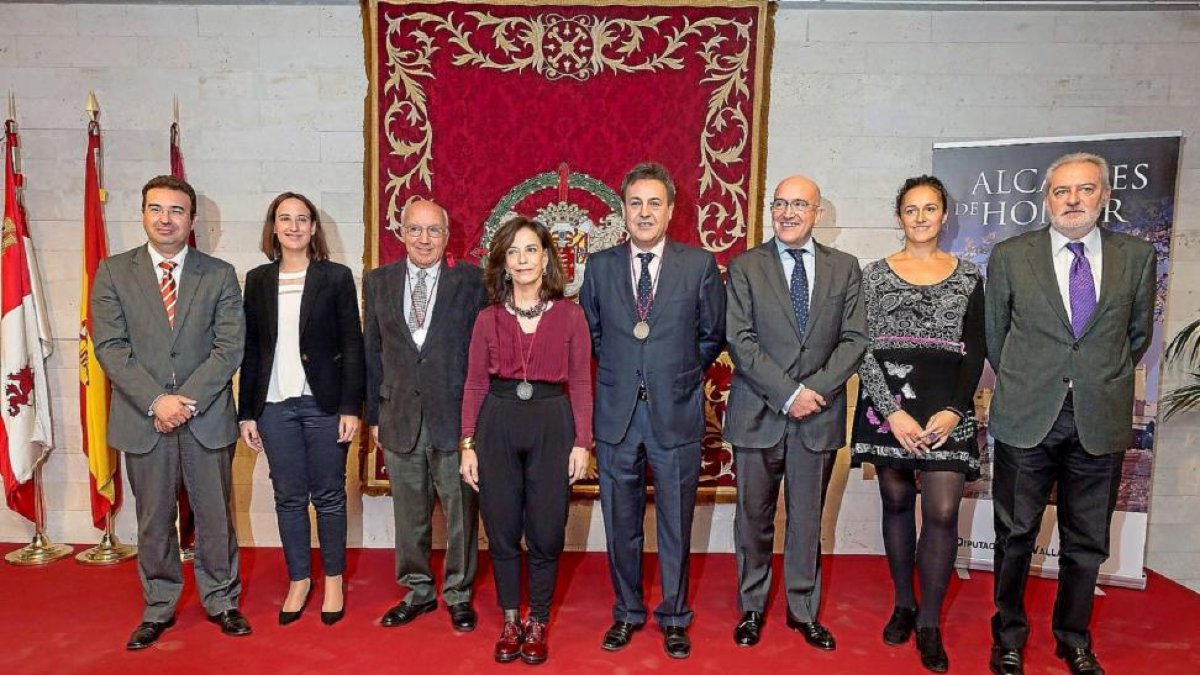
499, 286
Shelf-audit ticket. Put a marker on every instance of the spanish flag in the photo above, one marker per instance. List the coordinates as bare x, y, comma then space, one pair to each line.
93, 384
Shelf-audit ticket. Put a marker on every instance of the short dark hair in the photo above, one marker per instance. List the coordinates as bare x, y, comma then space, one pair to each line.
499, 286
923, 180
170, 183
317, 248
650, 171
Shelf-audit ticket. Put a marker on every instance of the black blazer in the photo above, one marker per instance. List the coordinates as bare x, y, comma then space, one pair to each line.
331, 343
406, 386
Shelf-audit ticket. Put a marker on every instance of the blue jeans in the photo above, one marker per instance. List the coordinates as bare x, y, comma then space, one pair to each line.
307, 464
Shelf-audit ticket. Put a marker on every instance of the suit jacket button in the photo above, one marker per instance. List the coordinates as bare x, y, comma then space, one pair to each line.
174, 354
804, 349
421, 360
304, 358
1075, 346
1066, 380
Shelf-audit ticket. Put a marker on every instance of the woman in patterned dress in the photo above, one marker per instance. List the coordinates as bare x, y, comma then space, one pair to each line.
915, 411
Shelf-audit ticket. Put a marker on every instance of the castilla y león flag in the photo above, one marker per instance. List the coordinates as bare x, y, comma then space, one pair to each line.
93, 384
25, 338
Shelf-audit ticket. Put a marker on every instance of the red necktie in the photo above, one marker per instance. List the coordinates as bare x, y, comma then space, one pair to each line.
167, 286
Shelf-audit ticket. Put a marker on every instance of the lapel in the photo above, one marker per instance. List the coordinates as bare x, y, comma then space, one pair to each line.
1112, 266
778, 282
194, 269
1041, 262
822, 282
669, 272
443, 303
314, 283
147, 281
625, 283
269, 303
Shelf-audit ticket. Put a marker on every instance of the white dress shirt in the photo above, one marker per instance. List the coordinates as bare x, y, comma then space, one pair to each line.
432, 275
635, 265
1063, 258
157, 258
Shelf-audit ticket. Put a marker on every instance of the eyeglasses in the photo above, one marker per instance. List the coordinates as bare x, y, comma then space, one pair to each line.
435, 231
798, 205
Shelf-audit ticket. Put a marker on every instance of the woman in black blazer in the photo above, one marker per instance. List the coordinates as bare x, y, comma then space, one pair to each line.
301, 391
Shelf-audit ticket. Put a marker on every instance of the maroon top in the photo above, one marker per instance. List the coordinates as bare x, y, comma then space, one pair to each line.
561, 351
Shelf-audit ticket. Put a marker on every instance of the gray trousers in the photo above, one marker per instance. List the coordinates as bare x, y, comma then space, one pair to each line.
207, 477
417, 478
806, 474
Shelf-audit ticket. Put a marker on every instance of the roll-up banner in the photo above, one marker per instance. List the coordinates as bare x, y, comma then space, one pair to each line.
996, 193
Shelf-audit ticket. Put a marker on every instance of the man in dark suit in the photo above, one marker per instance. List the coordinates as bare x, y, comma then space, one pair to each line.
420, 312
169, 333
656, 311
1070, 311
797, 331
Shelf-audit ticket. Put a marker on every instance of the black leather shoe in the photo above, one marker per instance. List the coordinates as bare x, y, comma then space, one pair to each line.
147, 633
749, 630
618, 635
462, 617
330, 618
231, 622
404, 613
1081, 660
900, 626
933, 654
676, 642
291, 617
1006, 661
814, 633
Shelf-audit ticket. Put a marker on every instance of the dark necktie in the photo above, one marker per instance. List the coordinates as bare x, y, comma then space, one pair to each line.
644, 287
799, 288
1082, 289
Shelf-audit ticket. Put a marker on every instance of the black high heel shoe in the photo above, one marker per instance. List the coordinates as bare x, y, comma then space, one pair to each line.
330, 618
289, 617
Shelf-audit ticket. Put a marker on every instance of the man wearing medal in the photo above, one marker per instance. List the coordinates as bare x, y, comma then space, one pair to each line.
420, 312
797, 331
656, 311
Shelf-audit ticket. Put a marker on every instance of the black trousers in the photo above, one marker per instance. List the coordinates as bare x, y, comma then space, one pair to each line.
524, 490
1087, 495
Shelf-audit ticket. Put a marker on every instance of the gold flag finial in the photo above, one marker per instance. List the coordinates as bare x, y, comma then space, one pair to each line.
12, 106
175, 111
93, 106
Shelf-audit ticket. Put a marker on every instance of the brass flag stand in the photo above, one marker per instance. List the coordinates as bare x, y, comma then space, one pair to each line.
109, 551
40, 551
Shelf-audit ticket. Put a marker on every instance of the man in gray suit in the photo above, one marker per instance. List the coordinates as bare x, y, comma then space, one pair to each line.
169, 333
656, 311
1070, 312
420, 312
797, 332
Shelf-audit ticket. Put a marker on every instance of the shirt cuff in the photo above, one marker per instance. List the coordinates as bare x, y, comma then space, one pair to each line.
787, 405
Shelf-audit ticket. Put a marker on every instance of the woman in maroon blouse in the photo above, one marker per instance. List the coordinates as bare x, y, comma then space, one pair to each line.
524, 442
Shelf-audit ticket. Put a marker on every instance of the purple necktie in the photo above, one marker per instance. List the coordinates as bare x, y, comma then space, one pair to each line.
1082, 287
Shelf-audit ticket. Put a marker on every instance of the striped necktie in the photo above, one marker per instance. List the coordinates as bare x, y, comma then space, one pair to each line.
167, 286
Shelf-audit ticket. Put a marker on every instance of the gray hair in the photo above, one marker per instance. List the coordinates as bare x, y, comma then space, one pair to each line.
1078, 157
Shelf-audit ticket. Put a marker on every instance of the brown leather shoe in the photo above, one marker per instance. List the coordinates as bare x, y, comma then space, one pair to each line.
508, 647
533, 648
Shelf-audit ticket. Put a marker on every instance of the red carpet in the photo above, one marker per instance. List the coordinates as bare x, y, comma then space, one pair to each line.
67, 618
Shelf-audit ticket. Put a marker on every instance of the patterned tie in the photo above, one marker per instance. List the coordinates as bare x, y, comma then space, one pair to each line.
799, 288
644, 286
167, 286
1082, 289
420, 302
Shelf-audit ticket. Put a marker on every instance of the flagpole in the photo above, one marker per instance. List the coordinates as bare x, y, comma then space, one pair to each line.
41, 550
110, 550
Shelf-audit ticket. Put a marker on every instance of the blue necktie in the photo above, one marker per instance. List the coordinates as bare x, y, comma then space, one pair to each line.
643, 284
1082, 289
799, 288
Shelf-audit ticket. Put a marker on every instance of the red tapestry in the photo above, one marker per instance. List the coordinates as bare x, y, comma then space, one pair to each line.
495, 108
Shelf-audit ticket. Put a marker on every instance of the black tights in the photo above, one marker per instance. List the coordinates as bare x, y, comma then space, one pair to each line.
933, 555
